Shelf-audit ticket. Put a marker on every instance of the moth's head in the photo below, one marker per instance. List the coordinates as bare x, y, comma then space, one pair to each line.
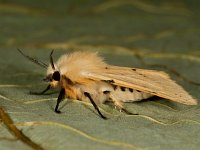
53, 75
53, 78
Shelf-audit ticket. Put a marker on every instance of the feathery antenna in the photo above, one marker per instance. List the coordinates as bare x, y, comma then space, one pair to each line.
51, 60
40, 63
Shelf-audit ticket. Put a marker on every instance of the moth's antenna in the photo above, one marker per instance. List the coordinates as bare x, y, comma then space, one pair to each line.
51, 60
40, 63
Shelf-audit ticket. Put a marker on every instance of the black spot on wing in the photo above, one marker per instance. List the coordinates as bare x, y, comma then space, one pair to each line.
122, 88
131, 90
106, 92
133, 69
142, 75
109, 81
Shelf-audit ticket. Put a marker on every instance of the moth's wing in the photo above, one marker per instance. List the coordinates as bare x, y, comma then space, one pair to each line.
154, 82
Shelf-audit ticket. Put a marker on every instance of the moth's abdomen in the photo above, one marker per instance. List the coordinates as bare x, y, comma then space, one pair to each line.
129, 95
102, 91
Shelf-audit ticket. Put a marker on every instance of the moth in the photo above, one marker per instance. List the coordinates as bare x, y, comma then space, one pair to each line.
86, 77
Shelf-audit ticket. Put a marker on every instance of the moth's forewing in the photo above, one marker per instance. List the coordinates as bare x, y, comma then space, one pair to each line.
154, 82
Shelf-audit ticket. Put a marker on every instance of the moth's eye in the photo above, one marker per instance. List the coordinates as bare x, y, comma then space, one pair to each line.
56, 76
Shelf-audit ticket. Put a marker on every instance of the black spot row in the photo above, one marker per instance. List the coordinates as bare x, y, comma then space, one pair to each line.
124, 89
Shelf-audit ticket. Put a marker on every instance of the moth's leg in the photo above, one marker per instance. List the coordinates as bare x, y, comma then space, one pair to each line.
42, 92
119, 105
60, 98
93, 103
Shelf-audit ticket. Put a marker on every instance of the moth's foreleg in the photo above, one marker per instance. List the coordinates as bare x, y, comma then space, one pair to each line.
42, 92
60, 98
93, 103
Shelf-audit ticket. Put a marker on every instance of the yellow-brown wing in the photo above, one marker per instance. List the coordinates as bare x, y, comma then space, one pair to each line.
154, 82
